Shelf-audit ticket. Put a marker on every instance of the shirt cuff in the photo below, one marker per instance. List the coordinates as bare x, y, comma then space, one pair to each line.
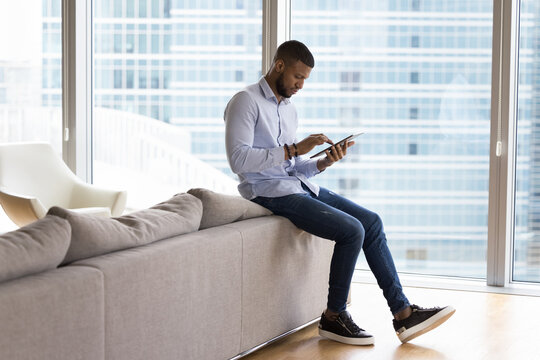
278, 155
313, 169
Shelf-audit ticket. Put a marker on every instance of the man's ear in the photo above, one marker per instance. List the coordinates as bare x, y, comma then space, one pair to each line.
279, 66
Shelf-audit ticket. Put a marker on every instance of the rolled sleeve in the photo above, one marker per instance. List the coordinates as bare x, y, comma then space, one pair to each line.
308, 167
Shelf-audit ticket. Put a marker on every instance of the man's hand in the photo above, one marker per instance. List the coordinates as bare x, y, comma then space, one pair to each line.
333, 155
310, 142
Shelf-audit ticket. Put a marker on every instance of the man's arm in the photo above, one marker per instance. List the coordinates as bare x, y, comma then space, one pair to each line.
241, 116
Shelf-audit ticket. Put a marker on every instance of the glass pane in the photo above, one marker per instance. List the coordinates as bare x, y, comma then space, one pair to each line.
415, 76
527, 195
163, 73
30, 75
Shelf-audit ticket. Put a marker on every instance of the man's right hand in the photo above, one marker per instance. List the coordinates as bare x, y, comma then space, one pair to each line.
311, 141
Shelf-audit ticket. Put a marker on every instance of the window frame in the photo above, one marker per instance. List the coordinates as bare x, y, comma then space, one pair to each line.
77, 87
502, 142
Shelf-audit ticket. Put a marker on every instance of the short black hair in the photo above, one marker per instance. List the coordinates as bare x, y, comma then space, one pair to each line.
293, 50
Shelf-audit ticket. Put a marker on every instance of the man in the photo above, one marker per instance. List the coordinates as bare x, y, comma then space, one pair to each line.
262, 149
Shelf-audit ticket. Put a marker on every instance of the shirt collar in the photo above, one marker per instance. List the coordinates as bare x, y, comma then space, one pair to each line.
268, 93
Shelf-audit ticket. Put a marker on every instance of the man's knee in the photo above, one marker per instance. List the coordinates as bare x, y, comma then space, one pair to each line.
376, 223
353, 231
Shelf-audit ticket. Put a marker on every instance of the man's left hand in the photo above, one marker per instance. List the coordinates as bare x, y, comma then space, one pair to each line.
335, 154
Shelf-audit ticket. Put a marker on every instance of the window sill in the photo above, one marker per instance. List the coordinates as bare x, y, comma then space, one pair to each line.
452, 283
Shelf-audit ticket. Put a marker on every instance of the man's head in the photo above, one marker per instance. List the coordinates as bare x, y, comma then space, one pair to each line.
292, 64
292, 51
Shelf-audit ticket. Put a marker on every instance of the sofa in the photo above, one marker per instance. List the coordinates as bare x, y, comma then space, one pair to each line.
199, 276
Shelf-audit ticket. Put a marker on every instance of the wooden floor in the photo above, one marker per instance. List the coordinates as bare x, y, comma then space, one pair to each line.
485, 326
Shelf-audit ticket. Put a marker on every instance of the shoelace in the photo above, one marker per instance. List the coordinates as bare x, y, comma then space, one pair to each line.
419, 308
348, 321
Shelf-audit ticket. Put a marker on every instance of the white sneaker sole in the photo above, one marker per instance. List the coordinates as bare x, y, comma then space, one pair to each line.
347, 340
427, 325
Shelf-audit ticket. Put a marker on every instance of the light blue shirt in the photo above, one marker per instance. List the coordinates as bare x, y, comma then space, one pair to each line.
256, 128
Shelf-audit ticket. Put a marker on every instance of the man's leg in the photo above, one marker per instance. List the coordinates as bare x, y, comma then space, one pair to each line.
375, 249
327, 222
410, 320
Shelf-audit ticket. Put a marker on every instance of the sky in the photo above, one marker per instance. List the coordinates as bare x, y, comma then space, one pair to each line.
20, 30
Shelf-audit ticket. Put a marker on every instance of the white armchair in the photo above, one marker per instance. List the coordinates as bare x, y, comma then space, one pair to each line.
33, 178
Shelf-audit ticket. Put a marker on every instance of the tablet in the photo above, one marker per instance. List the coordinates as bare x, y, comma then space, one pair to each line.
341, 142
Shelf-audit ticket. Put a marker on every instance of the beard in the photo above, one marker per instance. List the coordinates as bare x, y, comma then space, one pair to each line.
280, 87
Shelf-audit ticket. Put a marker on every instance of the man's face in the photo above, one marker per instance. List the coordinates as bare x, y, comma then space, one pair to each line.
292, 79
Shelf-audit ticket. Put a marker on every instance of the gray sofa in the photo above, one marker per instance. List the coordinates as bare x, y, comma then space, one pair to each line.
200, 276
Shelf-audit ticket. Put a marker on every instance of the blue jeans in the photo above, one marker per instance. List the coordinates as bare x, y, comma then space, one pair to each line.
353, 228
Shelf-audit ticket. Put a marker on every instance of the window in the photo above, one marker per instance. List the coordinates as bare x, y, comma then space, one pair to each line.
129, 79
349, 116
155, 8
30, 75
526, 256
118, 43
117, 8
350, 81
142, 79
239, 75
167, 8
130, 43
130, 8
433, 199
239, 39
171, 102
142, 8
413, 113
162, 130
155, 79
413, 149
415, 41
142, 44
347, 184
117, 79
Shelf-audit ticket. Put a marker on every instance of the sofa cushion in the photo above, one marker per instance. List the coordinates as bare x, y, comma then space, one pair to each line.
93, 235
34, 248
220, 209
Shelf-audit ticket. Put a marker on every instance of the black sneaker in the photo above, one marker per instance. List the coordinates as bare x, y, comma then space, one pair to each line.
344, 330
421, 321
